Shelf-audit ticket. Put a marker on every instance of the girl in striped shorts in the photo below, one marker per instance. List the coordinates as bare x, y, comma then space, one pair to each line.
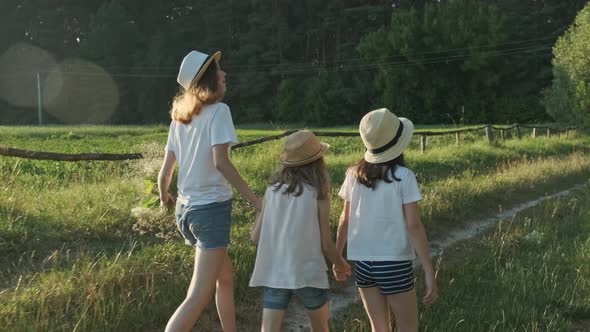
381, 224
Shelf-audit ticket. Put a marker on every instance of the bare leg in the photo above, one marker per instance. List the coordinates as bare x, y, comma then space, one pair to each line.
376, 306
224, 297
405, 310
208, 263
319, 318
271, 320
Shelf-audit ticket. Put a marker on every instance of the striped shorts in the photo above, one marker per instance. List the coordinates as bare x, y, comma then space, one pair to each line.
391, 277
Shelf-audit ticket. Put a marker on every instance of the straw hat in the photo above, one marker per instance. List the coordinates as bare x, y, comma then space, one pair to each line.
302, 148
193, 66
385, 135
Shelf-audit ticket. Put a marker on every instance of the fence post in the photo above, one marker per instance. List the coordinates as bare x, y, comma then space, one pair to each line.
457, 137
534, 134
423, 143
39, 102
518, 131
548, 133
489, 135
502, 135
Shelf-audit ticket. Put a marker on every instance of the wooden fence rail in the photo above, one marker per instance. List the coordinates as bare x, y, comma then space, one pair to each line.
423, 134
4, 151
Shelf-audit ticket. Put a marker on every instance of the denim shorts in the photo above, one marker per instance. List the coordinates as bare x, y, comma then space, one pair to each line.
278, 298
391, 277
205, 226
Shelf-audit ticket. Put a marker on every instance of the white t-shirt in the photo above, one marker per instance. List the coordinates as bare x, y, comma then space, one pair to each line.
199, 182
377, 229
289, 252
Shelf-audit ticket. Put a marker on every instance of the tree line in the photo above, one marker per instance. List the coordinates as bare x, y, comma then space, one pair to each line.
318, 62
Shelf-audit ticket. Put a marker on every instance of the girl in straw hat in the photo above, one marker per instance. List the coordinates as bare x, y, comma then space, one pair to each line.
381, 223
199, 140
293, 235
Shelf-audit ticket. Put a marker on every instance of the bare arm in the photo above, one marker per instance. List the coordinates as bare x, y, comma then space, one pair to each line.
165, 177
255, 232
328, 246
224, 165
420, 243
342, 233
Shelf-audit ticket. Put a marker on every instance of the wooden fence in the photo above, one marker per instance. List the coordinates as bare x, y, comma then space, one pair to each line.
513, 130
423, 134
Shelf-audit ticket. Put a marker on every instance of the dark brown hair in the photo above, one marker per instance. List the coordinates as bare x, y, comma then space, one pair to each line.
368, 173
314, 174
189, 102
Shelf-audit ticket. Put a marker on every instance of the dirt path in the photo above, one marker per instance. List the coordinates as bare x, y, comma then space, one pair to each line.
296, 319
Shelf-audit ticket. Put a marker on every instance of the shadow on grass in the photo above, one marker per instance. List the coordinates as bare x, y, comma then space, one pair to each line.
32, 243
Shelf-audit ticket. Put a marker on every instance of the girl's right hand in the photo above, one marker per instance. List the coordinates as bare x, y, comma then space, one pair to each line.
431, 289
166, 199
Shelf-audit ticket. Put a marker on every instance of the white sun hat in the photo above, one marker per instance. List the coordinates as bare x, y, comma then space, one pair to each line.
384, 135
193, 66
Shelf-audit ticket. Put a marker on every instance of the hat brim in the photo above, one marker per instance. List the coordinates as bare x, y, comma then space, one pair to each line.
396, 150
214, 57
293, 163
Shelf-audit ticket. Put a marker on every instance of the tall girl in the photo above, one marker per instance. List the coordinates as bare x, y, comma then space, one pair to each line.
201, 134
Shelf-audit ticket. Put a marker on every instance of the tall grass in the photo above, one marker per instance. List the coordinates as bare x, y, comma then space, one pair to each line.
70, 259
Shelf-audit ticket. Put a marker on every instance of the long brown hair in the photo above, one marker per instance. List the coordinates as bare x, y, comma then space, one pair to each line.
314, 174
188, 103
368, 174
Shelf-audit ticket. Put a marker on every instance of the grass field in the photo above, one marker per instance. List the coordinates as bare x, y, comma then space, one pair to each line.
71, 258
531, 273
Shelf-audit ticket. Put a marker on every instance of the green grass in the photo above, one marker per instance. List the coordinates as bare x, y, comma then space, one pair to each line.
531, 273
71, 258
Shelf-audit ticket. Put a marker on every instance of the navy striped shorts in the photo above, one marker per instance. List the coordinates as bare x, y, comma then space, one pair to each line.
391, 277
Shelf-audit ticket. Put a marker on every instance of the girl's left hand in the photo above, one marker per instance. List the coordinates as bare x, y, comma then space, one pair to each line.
431, 290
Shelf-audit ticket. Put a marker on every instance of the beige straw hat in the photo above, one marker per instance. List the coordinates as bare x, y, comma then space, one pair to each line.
385, 135
193, 66
302, 148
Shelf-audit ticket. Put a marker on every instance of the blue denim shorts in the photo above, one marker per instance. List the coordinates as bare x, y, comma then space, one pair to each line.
206, 226
278, 298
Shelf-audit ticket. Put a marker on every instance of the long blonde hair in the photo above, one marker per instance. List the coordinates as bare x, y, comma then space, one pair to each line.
188, 103
314, 174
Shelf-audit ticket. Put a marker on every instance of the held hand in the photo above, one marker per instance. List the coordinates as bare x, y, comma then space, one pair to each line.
431, 290
341, 270
339, 276
167, 199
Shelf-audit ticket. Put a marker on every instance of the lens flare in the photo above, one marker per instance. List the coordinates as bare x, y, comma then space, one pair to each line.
19, 67
84, 93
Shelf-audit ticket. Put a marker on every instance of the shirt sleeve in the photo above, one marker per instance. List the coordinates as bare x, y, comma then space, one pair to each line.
222, 127
346, 189
171, 143
410, 189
